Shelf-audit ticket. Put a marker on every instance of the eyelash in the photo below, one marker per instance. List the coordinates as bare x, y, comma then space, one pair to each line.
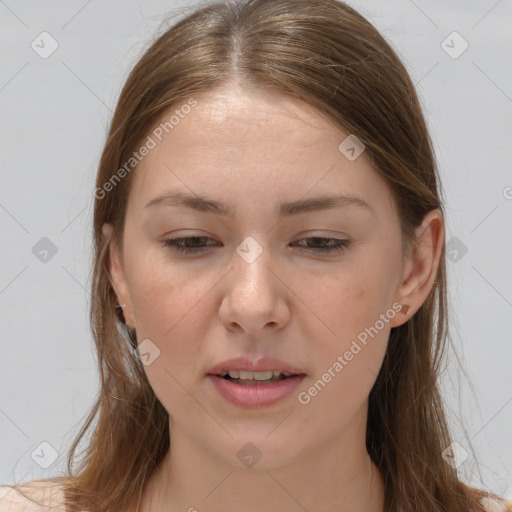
339, 244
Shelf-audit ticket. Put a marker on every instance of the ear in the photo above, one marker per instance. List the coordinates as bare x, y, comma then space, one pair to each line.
421, 264
117, 275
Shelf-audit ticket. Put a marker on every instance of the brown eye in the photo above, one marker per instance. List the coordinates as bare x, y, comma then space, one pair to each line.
325, 245
191, 244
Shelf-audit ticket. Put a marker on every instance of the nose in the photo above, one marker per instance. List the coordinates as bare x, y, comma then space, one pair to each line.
255, 296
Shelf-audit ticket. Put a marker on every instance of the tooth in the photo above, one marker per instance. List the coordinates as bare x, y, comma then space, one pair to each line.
278, 373
263, 375
246, 375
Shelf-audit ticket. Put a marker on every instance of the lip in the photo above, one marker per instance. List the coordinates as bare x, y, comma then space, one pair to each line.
263, 364
256, 395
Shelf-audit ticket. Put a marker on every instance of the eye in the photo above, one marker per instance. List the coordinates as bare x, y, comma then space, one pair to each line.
175, 244
193, 245
336, 244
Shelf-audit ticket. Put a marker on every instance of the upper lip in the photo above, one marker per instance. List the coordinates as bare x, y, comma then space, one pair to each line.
263, 364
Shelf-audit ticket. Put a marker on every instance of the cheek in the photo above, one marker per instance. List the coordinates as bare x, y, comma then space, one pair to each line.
167, 311
346, 363
343, 302
337, 395
352, 319
163, 300
161, 289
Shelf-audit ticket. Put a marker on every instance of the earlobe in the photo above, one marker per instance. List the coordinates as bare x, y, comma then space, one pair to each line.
420, 269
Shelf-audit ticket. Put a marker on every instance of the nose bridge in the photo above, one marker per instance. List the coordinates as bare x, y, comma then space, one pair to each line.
251, 266
253, 295
252, 299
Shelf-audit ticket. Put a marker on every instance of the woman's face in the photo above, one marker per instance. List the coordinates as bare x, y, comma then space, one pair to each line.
260, 286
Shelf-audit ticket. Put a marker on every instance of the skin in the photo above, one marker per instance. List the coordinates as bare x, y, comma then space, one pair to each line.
253, 151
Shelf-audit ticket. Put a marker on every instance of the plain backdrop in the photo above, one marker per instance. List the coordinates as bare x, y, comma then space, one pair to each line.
53, 121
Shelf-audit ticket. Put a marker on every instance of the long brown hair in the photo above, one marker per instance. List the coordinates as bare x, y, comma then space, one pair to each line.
324, 53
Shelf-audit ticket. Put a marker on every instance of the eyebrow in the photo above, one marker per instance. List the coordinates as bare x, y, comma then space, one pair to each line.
208, 205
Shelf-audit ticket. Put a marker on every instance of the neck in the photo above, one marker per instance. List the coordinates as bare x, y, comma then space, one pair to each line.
337, 477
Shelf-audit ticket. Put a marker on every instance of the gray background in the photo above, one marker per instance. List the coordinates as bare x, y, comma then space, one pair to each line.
54, 116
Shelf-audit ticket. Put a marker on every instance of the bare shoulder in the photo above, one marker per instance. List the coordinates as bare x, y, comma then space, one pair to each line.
46, 496
495, 505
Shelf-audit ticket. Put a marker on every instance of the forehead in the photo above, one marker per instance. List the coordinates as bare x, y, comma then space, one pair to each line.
252, 110
250, 144
232, 125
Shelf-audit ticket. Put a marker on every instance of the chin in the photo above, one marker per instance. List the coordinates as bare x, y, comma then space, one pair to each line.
259, 451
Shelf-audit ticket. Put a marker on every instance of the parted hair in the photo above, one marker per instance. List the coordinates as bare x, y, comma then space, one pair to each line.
326, 54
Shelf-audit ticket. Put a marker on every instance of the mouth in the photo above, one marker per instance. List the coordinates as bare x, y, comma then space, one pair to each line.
250, 393
248, 378
252, 383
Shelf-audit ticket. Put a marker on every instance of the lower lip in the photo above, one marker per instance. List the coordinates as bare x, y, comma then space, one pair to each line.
256, 395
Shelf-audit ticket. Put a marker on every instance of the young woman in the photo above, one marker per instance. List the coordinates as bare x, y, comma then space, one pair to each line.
269, 236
